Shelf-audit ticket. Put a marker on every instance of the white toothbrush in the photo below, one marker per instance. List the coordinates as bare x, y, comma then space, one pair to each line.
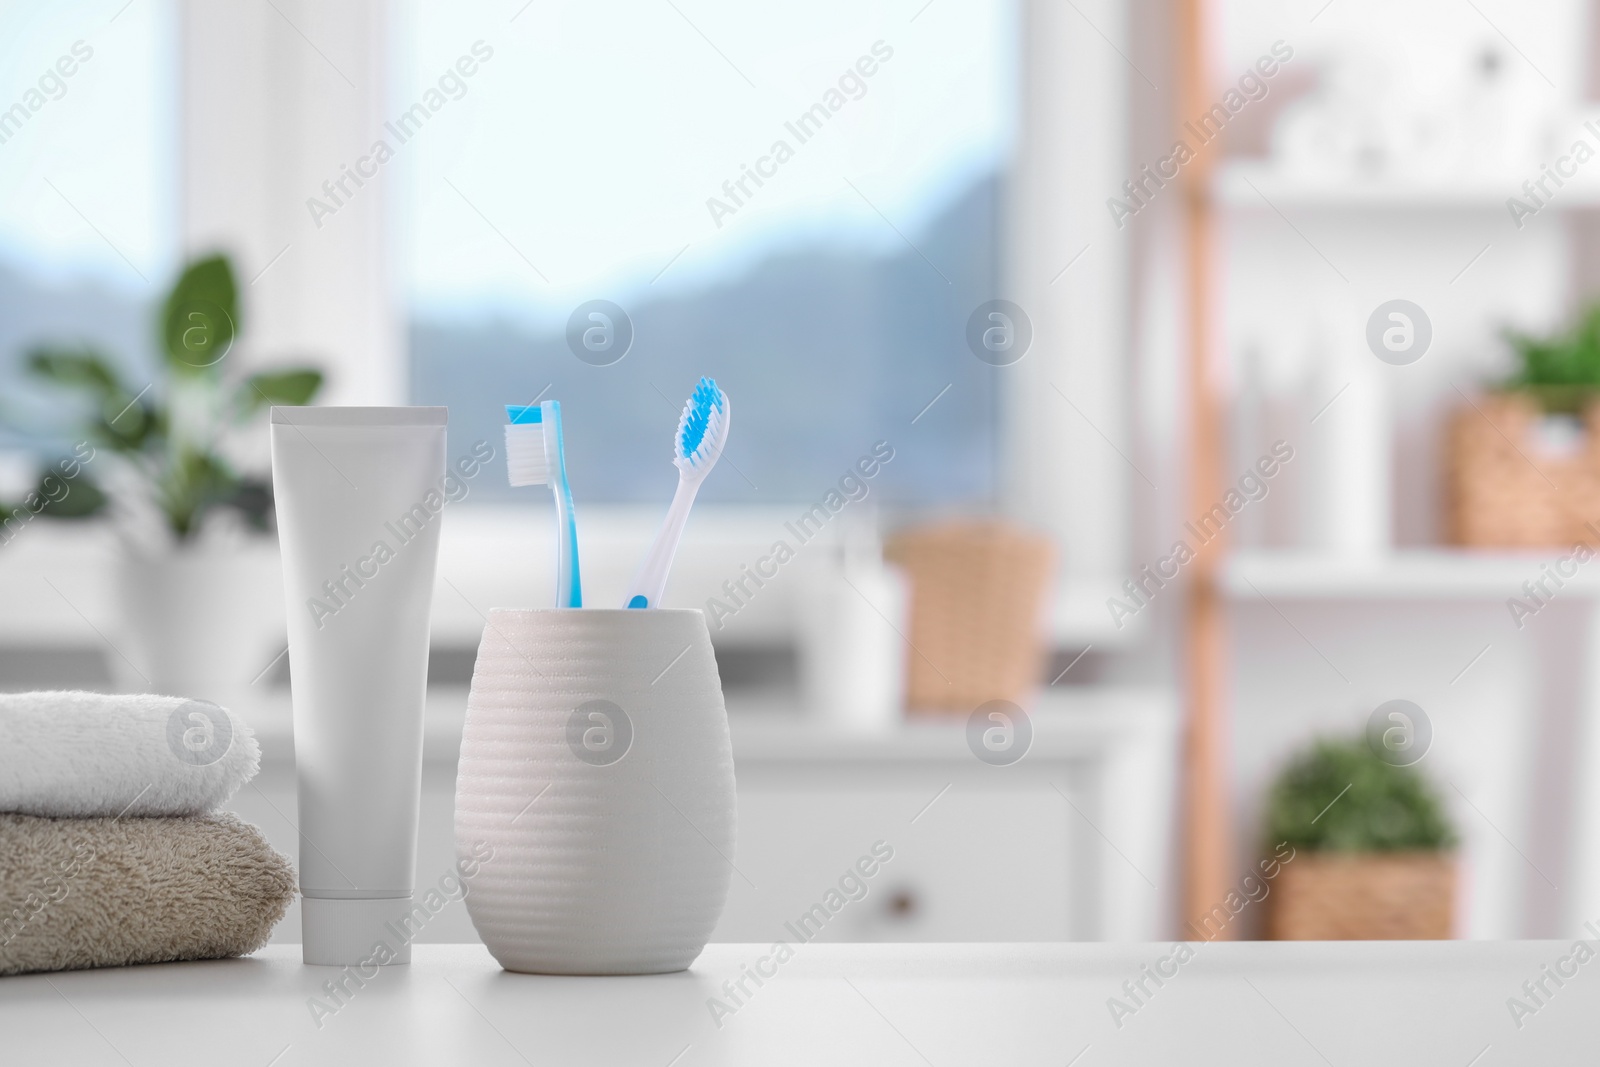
535, 455
702, 434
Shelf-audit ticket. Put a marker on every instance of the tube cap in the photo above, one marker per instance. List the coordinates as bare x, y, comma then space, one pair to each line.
348, 933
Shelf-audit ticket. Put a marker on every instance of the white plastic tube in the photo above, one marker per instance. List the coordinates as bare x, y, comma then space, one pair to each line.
359, 505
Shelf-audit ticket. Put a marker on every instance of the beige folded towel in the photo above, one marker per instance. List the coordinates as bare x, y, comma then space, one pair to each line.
105, 892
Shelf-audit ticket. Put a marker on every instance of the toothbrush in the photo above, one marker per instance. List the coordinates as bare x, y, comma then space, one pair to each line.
702, 434
535, 455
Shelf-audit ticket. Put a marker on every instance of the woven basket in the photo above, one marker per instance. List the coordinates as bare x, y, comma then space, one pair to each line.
1505, 491
1374, 896
978, 594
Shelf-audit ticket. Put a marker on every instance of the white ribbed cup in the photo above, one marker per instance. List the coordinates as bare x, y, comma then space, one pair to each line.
587, 861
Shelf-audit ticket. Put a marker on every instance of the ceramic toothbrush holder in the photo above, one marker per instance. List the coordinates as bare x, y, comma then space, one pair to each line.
595, 794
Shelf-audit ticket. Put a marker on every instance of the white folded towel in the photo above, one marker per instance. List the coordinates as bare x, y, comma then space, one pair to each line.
72, 754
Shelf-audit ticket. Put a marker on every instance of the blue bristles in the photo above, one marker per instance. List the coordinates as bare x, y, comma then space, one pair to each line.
706, 397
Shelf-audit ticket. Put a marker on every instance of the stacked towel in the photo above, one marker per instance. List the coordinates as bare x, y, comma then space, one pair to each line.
111, 848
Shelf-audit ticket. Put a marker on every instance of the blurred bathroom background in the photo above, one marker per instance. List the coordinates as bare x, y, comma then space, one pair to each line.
592, 172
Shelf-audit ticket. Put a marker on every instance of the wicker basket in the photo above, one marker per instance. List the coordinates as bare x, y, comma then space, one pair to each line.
1374, 896
1505, 491
978, 593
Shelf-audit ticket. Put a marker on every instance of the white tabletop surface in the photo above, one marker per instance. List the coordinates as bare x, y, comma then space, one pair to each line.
1235, 1004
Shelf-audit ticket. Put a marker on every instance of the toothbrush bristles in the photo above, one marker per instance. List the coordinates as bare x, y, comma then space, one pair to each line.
526, 463
703, 427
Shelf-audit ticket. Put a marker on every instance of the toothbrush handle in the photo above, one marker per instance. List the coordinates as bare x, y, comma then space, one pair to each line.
651, 583
569, 594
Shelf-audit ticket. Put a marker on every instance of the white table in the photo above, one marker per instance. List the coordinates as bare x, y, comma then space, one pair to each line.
1239, 1003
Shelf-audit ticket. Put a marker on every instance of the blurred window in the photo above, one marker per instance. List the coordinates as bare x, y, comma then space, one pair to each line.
88, 176
800, 203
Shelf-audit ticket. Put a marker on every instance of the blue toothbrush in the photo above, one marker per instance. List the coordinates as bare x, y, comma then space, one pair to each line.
535, 455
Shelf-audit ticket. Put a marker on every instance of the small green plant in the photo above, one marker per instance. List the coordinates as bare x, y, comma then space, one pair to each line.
172, 430
1562, 371
1341, 797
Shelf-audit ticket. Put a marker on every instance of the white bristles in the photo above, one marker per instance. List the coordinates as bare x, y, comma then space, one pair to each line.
526, 462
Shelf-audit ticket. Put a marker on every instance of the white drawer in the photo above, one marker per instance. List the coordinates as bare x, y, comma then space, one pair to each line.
986, 862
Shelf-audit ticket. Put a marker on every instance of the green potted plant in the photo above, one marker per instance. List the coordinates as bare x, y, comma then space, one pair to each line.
1545, 409
1562, 371
161, 457
1373, 848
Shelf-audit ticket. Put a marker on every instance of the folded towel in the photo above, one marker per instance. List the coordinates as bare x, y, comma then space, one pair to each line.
70, 753
105, 892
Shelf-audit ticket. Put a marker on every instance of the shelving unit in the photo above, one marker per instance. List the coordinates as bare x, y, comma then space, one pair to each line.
1513, 710
1316, 639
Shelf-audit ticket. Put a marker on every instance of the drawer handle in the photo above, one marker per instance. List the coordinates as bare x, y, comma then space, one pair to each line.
903, 904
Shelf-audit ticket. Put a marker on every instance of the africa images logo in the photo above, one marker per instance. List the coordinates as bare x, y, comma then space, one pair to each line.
199, 733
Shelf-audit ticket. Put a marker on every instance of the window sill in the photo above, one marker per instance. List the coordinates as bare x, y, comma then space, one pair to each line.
63, 574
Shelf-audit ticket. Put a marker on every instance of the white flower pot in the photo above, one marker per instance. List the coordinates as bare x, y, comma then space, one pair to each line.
197, 622
595, 793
